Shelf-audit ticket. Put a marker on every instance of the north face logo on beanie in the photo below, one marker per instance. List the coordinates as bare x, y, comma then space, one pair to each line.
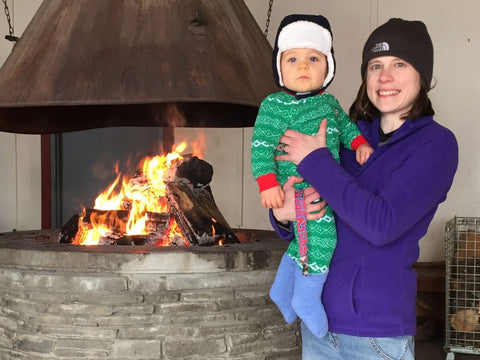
379, 47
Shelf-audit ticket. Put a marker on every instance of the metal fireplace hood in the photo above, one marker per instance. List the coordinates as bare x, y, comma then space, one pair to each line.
101, 63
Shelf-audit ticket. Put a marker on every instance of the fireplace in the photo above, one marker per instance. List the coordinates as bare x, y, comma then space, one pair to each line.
80, 66
82, 69
64, 301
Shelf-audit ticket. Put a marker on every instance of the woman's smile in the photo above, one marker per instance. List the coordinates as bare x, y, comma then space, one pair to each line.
388, 92
392, 86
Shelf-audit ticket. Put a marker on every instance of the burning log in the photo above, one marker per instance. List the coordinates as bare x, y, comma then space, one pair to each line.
195, 170
115, 218
116, 222
68, 231
198, 216
190, 204
158, 238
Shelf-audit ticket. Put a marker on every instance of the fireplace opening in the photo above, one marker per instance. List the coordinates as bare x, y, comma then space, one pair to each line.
82, 163
166, 201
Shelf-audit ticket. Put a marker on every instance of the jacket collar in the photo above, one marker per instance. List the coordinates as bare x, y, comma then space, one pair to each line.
300, 96
369, 129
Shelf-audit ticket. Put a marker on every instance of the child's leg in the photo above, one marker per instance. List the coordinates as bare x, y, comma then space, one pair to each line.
307, 297
307, 301
281, 291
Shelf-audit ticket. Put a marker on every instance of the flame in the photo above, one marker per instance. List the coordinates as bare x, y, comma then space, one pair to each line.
220, 241
140, 195
198, 146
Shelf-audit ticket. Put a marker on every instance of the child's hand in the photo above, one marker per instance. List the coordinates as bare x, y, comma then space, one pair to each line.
363, 153
273, 197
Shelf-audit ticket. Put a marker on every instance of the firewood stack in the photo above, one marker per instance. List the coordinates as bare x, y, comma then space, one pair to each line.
464, 283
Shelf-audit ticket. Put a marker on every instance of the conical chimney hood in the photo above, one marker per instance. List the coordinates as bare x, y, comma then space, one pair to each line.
101, 63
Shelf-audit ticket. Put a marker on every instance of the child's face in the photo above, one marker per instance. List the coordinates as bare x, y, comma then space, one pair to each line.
303, 69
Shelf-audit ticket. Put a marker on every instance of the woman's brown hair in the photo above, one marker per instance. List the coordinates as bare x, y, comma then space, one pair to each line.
363, 109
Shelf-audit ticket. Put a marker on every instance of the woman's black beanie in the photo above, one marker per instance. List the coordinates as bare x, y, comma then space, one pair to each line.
408, 40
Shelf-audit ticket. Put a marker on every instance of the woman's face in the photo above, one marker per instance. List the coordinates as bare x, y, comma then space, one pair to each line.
392, 85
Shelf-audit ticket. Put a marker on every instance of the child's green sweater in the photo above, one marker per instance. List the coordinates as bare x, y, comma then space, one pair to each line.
281, 111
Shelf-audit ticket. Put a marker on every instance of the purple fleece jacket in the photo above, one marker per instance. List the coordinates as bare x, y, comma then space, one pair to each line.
383, 208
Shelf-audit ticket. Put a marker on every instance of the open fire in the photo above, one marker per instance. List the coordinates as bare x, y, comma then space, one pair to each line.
168, 201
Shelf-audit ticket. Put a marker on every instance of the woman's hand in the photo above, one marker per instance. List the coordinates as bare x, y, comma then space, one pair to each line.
286, 213
299, 145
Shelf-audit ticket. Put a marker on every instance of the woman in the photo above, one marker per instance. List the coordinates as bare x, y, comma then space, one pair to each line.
384, 207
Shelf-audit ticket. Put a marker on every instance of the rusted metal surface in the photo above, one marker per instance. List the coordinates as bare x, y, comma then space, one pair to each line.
89, 63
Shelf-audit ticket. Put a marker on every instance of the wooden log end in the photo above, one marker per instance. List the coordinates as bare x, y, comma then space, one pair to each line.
465, 320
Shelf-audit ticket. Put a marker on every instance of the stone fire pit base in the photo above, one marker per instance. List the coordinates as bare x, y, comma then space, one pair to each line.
63, 301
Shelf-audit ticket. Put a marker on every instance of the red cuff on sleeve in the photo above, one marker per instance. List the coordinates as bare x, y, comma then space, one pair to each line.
359, 140
267, 181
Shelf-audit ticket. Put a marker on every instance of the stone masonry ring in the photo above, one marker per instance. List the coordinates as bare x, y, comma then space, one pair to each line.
281, 147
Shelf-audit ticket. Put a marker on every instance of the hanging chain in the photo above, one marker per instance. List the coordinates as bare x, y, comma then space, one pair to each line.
269, 12
10, 35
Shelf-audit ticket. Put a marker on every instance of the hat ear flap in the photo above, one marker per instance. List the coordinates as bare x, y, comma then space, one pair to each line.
277, 76
331, 70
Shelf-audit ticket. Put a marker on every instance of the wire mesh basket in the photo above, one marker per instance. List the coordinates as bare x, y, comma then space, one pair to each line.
462, 302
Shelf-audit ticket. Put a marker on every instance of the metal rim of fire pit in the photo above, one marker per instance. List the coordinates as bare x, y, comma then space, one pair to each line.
16, 244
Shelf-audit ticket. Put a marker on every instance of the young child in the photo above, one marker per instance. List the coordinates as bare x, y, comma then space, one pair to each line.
303, 67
